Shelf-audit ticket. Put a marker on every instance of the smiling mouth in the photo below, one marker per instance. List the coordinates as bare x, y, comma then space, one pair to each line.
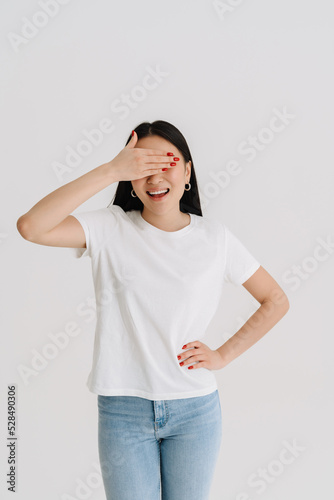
158, 196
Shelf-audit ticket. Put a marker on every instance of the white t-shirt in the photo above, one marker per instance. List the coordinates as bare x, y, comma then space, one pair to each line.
155, 291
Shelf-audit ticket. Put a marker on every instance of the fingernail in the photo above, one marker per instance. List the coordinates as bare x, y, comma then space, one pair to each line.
189, 367
165, 169
170, 154
184, 347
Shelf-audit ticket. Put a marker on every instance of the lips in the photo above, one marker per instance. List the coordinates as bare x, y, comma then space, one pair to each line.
158, 197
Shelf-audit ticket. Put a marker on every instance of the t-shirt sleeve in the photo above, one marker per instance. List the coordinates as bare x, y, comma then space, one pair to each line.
98, 226
240, 263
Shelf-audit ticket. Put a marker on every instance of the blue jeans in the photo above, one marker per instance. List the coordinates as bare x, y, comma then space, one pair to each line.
152, 450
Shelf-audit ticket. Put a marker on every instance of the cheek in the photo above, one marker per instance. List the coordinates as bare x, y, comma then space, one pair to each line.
137, 186
176, 175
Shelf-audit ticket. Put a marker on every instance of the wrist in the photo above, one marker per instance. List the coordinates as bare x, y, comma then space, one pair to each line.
108, 171
223, 355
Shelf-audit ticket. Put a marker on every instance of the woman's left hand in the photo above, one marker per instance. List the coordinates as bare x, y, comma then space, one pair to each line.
202, 354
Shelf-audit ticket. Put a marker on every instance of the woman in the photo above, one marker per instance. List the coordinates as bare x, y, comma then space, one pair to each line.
158, 267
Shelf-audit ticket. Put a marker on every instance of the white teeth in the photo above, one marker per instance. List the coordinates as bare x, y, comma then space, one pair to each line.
158, 192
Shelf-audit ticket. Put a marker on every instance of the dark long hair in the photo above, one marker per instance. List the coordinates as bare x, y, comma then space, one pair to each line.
190, 202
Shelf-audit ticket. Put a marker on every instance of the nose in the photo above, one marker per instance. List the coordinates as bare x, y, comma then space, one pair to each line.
155, 178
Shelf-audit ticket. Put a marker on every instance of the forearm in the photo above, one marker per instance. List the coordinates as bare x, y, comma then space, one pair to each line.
57, 205
264, 318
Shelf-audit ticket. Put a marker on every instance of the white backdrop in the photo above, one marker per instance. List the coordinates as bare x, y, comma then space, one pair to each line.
249, 84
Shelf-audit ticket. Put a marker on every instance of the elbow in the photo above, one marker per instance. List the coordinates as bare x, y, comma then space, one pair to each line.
280, 303
285, 304
23, 227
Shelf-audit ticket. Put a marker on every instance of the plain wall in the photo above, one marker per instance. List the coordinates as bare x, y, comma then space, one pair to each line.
226, 70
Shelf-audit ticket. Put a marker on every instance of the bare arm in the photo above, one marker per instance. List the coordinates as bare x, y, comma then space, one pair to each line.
40, 223
274, 305
49, 223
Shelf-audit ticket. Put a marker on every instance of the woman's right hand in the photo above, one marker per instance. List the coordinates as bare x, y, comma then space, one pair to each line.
134, 163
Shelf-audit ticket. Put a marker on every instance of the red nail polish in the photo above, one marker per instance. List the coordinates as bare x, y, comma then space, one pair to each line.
190, 367
164, 169
184, 347
172, 164
133, 133
170, 154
